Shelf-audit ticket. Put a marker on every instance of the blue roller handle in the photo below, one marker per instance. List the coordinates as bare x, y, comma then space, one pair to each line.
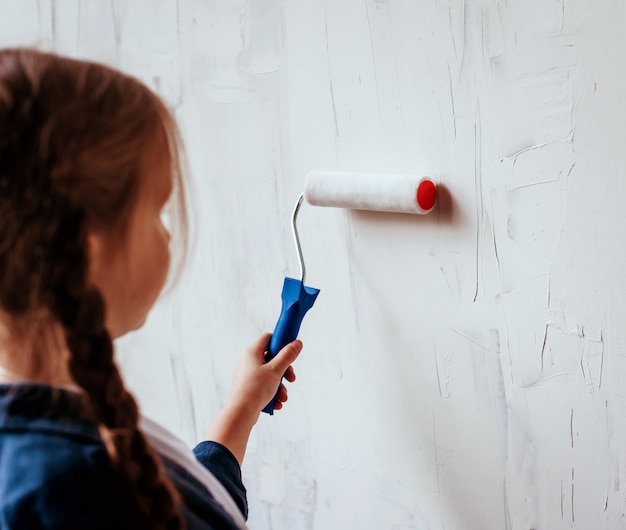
297, 300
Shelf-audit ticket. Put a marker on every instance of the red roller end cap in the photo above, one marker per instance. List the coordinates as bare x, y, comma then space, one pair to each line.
426, 195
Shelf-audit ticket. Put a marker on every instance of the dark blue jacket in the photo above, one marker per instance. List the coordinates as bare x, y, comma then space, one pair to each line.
55, 472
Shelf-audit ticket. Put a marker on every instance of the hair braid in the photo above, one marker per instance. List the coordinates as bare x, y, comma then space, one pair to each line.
92, 367
45, 221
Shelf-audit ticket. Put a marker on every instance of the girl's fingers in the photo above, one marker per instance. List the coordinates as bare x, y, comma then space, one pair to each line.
290, 375
282, 394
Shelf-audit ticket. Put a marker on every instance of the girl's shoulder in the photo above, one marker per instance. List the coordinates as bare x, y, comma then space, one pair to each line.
55, 471
31, 412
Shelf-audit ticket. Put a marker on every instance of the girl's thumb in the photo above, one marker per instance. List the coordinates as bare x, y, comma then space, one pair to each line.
285, 357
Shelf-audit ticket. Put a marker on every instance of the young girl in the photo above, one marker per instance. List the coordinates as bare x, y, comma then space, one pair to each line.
89, 158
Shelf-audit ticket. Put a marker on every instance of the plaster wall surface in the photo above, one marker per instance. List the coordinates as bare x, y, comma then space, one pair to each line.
463, 370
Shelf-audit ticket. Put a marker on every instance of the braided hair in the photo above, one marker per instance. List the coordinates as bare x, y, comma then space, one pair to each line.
70, 136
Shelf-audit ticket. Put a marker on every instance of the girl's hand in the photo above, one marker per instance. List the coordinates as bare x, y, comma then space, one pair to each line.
253, 387
255, 382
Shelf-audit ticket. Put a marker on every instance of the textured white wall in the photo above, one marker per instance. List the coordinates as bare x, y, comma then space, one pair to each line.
461, 371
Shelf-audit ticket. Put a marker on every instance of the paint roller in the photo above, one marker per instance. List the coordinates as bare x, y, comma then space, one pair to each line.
371, 191
355, 191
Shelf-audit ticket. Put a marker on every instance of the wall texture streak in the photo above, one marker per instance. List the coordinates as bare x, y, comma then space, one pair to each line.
461, 371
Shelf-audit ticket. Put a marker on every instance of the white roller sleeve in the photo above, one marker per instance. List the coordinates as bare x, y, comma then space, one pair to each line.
370, 191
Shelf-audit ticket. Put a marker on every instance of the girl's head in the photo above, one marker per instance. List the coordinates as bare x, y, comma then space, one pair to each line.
88, 159
81, 147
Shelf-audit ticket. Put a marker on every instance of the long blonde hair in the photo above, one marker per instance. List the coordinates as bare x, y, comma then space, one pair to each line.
71, 138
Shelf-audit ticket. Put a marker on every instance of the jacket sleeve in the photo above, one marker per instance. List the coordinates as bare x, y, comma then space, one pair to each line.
224, 466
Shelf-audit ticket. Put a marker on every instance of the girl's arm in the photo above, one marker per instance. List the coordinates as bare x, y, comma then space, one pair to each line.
254, 385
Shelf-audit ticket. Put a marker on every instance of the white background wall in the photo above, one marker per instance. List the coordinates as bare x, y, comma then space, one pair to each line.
461, 371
